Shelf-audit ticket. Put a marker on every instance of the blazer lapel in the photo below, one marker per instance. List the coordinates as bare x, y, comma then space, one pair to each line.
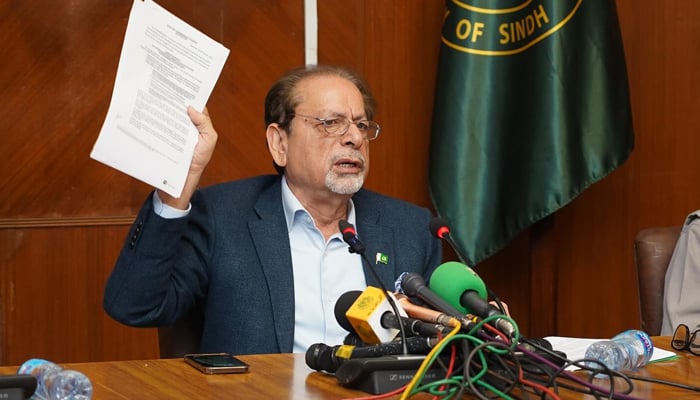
378, 240
271, 239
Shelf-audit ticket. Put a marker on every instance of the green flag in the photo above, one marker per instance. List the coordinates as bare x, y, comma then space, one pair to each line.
531, 108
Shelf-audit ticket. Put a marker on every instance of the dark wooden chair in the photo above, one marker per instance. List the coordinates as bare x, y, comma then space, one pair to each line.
183, 337
653, 248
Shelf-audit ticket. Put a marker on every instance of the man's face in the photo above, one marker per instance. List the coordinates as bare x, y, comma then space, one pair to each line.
318, 163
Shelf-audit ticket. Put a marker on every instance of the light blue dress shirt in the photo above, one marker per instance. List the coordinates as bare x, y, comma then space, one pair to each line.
323, 271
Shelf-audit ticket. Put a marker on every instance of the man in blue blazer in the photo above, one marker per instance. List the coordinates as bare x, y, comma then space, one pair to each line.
263, 257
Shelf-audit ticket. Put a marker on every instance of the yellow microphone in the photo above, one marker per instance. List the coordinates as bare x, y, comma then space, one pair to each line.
373, 318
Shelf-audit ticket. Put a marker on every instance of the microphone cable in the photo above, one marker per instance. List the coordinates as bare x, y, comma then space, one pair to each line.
494, 367
413, 388
432, 355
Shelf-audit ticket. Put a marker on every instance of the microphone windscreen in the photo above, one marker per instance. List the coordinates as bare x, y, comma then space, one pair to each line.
451, 279
346, 227
342, 305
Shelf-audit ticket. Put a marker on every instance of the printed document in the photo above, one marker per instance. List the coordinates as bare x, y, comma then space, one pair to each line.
165, 65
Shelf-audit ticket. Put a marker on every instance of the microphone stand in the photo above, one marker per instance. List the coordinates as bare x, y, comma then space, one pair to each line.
383, 374
357, 247
440, 229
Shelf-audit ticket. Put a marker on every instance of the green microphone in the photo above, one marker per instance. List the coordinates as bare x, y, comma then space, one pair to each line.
462, 288
451, 280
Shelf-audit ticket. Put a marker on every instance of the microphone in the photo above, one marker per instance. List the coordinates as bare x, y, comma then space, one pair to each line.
322, 357
350, 237
413, 285
464, 290
371, 316
425, 314
342, 305
356, 246
387, 320
439, 227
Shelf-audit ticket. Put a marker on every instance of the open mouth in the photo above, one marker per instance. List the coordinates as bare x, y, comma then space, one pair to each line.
348, 166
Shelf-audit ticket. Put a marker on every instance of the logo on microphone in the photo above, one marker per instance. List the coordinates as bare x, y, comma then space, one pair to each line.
366, 302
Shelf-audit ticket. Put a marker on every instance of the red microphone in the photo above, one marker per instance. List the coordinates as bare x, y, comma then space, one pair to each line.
350, 237
439, 228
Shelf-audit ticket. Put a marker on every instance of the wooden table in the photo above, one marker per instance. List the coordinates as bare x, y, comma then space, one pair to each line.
286, 376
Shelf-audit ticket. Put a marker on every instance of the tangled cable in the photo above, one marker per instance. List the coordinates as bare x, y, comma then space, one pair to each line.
486, 363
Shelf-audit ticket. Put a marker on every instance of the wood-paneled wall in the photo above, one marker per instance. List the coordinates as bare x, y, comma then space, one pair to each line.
63, 216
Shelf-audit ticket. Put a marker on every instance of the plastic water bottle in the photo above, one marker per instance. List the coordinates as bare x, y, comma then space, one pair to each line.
56, 383
628, 350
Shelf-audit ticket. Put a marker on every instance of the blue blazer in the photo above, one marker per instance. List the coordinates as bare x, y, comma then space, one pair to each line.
231, 256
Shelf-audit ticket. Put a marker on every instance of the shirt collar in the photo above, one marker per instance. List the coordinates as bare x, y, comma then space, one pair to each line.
292, 206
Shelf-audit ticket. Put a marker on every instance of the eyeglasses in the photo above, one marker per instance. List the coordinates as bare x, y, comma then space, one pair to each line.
683, 339
338, 126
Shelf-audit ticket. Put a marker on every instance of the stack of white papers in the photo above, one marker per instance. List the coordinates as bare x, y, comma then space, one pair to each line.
165, 66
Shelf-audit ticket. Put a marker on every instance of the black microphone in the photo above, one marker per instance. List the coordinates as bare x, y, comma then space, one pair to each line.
439, 227
350, 237
322, 357
412, 326
356, 246
413, 285
341, 307
354, 340
388, 320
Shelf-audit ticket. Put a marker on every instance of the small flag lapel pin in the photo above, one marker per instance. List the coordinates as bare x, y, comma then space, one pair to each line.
382, 258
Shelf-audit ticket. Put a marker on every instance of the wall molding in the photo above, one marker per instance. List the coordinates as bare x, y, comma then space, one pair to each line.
53, 222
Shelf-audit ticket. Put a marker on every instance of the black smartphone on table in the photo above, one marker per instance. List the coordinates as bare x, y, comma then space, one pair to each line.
216, 363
